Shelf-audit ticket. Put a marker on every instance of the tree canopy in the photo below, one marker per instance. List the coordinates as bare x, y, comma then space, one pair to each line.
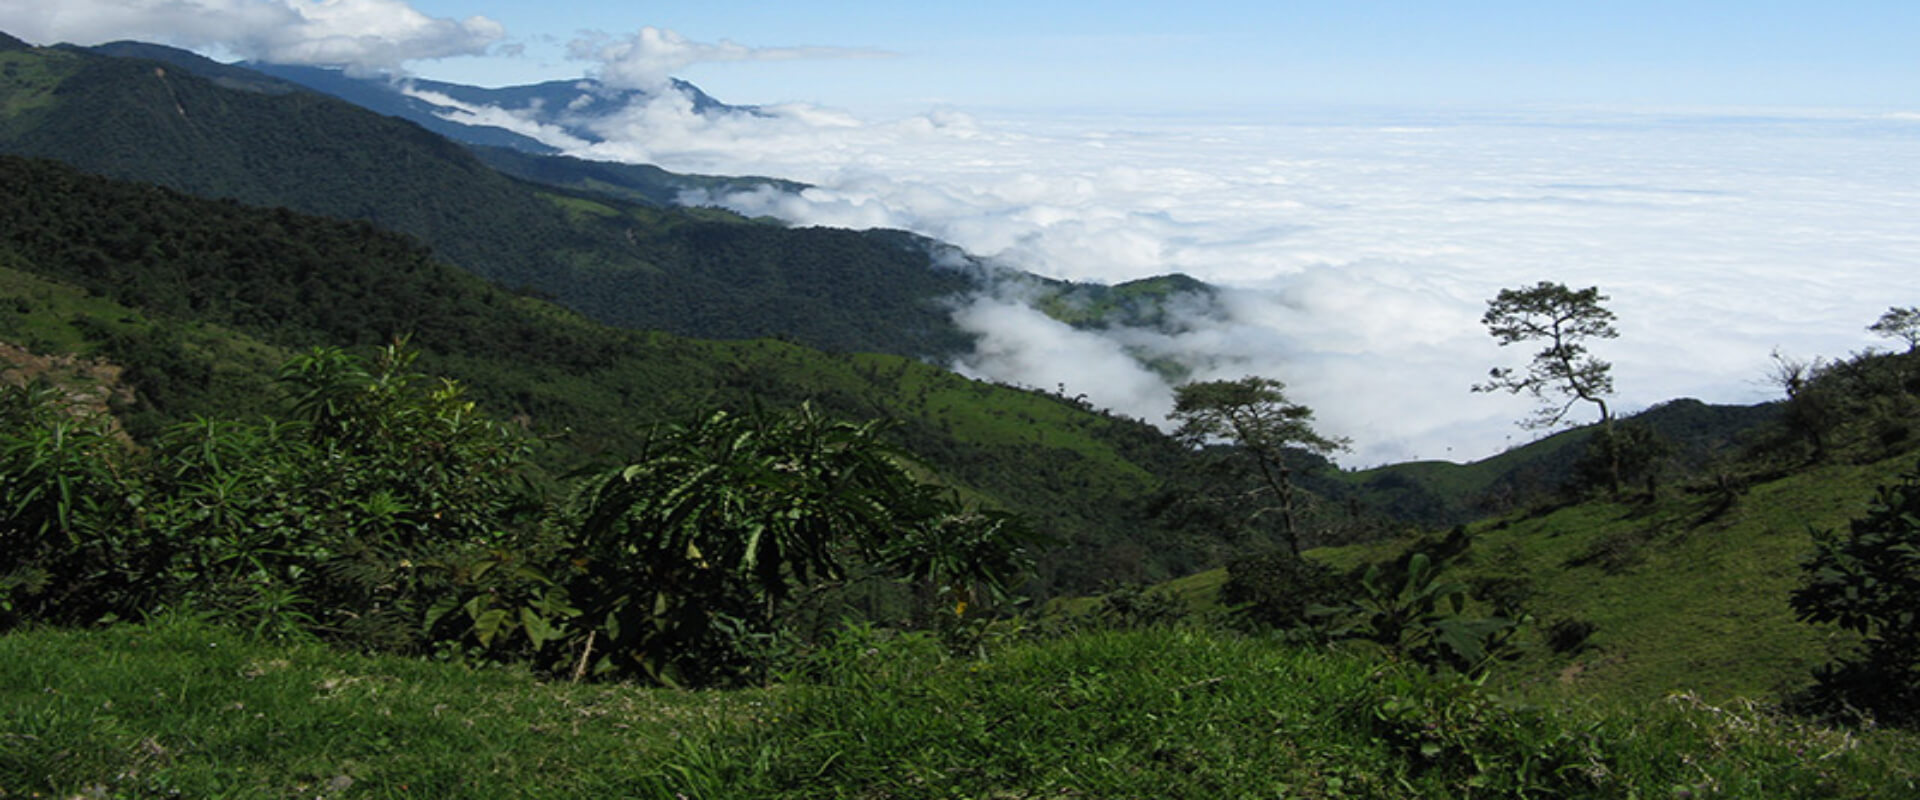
1254, 413
1562, 372
1900, 323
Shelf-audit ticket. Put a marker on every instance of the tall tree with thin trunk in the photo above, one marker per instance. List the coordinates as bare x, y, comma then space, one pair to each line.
1255, 414
1563, 372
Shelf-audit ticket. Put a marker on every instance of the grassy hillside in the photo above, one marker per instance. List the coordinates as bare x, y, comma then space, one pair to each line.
1442, 493
176, 708
199, 299
626, 263
1685, 593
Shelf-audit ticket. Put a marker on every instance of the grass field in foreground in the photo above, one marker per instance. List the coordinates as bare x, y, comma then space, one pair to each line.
178, 708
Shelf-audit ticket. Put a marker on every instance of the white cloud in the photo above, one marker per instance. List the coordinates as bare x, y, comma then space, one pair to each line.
1360, 250
649, 58
1022, 346
364, 35
523, 121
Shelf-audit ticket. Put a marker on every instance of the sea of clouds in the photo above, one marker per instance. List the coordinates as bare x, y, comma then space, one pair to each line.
1359, 246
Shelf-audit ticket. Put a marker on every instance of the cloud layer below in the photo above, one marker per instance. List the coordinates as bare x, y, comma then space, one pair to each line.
1360, 247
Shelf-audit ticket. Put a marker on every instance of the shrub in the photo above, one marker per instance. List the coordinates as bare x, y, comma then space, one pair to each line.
1276, 590
1867, 580
686, 560
70, 527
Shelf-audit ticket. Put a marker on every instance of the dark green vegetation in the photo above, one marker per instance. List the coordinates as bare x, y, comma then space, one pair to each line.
200, 453
1701, 440
624, 262
1562, 320
386, 513
1254, 417
200, 300
1867, 581
634, 182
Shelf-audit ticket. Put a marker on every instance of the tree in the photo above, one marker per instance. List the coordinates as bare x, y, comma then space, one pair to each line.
1631, 452
1253, 413
1564, 319
1900, 323
1562, 373
1868, 581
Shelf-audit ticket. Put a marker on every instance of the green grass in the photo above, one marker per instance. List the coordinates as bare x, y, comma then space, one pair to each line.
580, 209
1683, 597
177, 708
29, 78
182, 709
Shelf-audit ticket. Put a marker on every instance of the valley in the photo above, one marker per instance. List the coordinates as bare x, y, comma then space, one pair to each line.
381, 422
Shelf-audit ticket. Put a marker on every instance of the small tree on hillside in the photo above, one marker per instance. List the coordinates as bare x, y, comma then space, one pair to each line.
1255, 414
1900, 323
1562, 372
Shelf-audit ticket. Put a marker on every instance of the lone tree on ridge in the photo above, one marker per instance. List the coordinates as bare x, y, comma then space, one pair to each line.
1562, 372
1254, 413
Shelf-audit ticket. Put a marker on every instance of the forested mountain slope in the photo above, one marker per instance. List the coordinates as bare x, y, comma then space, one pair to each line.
199, 299
691, 272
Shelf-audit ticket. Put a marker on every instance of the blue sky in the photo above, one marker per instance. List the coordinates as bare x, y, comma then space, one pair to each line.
1204, 55
1140, 56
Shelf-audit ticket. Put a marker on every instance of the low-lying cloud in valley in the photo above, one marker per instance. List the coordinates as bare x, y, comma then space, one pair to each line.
1358, 248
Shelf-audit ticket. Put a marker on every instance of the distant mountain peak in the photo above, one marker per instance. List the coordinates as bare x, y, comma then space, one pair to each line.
8, 42
571, 105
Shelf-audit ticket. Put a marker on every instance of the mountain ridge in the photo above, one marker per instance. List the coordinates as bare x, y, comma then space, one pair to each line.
693, 272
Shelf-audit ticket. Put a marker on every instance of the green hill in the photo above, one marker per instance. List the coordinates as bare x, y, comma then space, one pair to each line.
1633, 600
1443, 493
623, 262
199, 299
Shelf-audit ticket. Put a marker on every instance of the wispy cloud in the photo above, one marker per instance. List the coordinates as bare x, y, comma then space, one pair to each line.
363, 35
649, 58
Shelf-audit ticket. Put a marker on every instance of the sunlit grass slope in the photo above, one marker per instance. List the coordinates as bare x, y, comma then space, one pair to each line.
180, 709
1688, 593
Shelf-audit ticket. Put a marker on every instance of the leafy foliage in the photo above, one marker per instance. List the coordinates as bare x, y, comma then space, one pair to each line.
1254, 414
393, 515
352, 520
688, 556
1633, 451
1417, 614
1279, 590
199, 301
69, 518
1868, 581
1864, 408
